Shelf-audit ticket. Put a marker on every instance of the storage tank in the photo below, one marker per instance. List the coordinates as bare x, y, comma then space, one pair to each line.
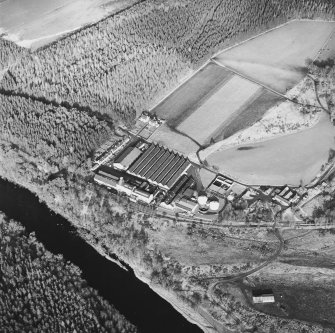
214, 205
202, 200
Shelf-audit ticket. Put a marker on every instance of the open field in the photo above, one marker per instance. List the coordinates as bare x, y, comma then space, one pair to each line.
248, 115
185, 99
290, 159
299, 302
45, 20
328, 51
277, 58
282, 118
297, 290
233, 96
200, 250
214, 104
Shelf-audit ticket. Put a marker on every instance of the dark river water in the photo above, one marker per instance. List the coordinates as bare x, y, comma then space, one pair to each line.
134, 299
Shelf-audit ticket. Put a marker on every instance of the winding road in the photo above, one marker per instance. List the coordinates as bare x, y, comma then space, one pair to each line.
231, 278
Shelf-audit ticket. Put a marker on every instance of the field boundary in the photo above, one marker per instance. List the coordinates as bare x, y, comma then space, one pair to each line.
252, 37
277, 136
183, 116
251, 80
324, 44
89, 25
183, 81
267, 31
266, 87
237, 113
189, 76
250, 117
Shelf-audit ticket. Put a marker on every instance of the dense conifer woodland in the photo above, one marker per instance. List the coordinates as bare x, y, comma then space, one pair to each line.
60, 102
122, 64
10, 53
41, 292
62, 137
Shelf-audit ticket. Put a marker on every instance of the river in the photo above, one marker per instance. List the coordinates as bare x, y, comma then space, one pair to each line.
133, 298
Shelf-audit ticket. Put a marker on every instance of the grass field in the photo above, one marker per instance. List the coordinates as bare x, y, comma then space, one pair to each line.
35, 23
277, 58
215, 103
184, 100
202, 109
328, 51
191, 250
249, 115
232, 97
299, 302
290, 159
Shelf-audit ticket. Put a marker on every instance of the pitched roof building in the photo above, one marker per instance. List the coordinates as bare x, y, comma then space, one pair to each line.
160, 166
127, 157
187, 205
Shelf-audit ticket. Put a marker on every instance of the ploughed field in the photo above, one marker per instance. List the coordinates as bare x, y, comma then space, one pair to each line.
232, 97
211, 105
179, 105
235, 89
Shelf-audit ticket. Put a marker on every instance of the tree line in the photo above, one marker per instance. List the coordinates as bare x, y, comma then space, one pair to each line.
323, 73
122, 64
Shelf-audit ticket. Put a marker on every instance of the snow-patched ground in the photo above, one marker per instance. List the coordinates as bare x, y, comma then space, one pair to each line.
285, 147
282, 119
277, 58
35, 23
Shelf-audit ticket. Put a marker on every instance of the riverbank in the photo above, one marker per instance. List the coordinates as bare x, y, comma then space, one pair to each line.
134, 239
32, 293
119, 287
187, 312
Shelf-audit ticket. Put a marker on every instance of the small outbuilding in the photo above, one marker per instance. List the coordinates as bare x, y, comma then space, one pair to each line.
263, 296
187, 205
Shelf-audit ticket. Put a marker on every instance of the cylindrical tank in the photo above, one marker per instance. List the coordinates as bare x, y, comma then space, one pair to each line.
214, 205
202, 200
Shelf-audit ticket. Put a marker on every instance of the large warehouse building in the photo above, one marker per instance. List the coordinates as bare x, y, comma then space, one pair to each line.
160, 166
136, 188
146, 170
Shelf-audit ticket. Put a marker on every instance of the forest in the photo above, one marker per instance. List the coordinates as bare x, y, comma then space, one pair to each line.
41, 292
10, 53
62, 137
123, 64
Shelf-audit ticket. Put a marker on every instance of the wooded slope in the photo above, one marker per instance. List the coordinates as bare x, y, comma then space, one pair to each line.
124, 63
